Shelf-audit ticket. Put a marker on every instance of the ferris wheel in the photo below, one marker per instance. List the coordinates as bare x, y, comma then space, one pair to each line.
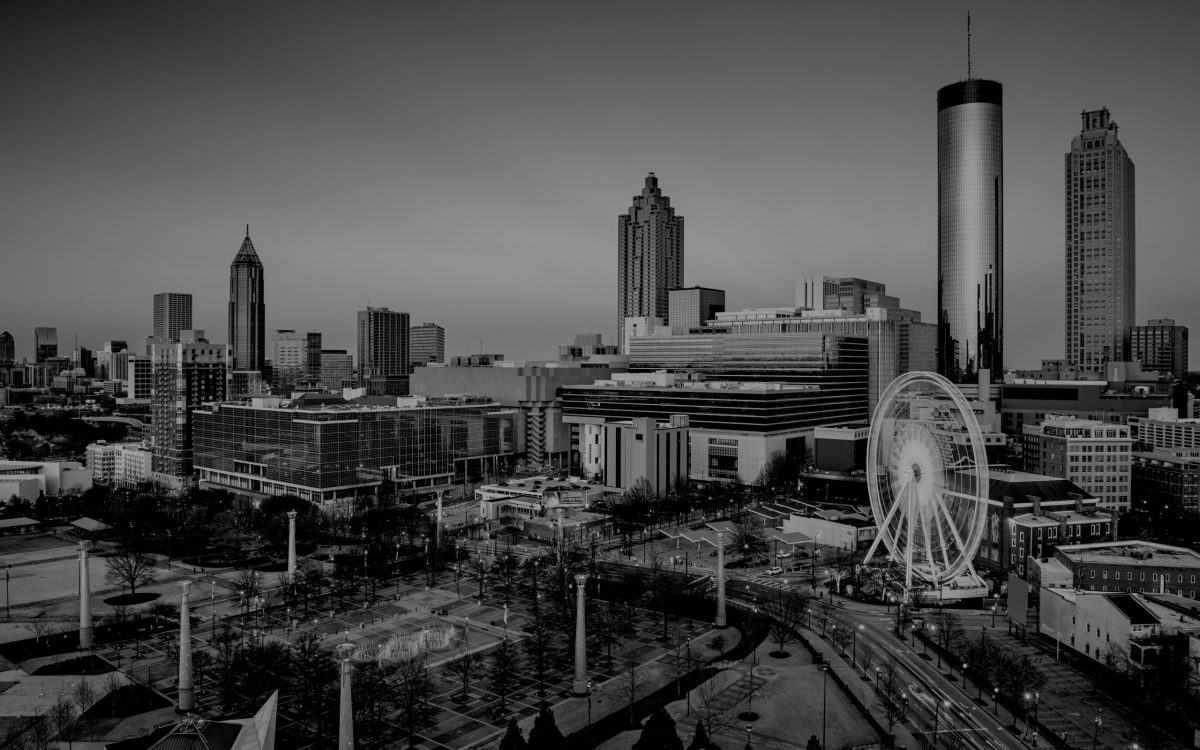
927, 474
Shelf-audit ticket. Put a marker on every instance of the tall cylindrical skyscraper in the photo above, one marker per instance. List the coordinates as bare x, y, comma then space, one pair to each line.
970, 230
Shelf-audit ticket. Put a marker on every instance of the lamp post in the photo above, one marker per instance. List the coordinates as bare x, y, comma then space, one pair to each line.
854, 645
7, 609
995, 701
749, 730
993, 615
1096, 731
877, 670
937, 709
964, 675
824, 686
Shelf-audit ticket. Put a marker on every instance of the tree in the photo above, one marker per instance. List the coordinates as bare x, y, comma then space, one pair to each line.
683, 659
464, 668
62, 717
84, 696
658, 733
778, 474
411, 694
1017, 676
513, 739
711, 707
226, 650
842, 634
261, 669
946, 627
718, 643
131, 568
545, 734
748, 541
700, 739
503, 673
315, 672
866, 657
784, 610
891, 690
373, 687
608, 625
632, 684
537, 649
813, 743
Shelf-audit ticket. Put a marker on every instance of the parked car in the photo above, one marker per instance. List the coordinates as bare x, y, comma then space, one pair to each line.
773, 571
783, 553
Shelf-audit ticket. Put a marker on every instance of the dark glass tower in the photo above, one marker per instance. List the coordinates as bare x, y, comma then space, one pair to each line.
650, 257
8, 348
970, 230
247, 339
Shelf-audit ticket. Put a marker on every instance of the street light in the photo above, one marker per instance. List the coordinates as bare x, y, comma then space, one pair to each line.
937, 709
993, 615
1096, 731
995, 701
824, 686
964, 675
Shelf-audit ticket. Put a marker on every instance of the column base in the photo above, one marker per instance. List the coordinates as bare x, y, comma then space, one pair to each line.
85, 638
579, 689
719, 622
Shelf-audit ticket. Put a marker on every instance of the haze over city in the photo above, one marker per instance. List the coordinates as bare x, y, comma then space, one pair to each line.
466, 163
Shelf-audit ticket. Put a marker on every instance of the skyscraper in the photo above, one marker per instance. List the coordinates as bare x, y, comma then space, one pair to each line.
172, 314
970, 229
382, 343
186, 375
1100, 245
247, 316
8, 348
692, 307
650, 257
428, 343
45, 342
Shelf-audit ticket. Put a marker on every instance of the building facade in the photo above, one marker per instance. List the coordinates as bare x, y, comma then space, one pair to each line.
1100, 245
1163, 428
623, 453
1096, 456
649, 256
45, 341
383, 343
185, 377
172, 314
1160, 345
247, 311
1133, 567
690, 308
8, 348
970, 136
1168, 482
337, 368
331, 450
427, 343
291, 361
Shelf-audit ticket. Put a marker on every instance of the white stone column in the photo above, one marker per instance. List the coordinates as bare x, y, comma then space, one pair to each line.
187, 695
580, 684
346, 704
291, 568
719, 620
85, 599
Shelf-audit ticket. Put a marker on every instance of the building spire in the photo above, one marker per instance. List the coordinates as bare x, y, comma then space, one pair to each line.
247, 231
969, 57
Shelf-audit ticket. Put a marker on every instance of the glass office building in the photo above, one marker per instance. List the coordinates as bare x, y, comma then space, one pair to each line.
247, 312
970, 139
325, 449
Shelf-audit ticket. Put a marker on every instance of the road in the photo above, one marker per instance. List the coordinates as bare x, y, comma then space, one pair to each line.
959, 717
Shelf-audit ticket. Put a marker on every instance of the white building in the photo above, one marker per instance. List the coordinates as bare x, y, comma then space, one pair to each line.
53, 478
623, 452
1163, 428
1096, 456
536, 497
119, 464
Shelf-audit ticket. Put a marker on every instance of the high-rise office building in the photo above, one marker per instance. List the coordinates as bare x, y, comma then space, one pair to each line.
247, 314
382, 343
650, 256
312, 356
337, 367
1100, 245
186, 375
690, 308
289, 361
427, 343
1159, 345
8, 348
45, 341
970, 136
172, 314
851, 294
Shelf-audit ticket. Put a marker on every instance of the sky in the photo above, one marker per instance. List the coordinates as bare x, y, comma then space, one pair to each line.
466, 162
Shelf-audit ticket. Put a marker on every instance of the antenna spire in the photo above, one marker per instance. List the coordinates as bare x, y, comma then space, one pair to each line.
968, 45
247, 231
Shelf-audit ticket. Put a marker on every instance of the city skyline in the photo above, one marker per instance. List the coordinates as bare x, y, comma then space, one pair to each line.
382, 160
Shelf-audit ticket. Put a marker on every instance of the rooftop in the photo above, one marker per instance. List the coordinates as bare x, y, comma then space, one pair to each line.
1132, 553
1133, 609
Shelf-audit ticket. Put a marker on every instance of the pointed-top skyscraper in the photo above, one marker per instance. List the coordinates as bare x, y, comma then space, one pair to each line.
247, 339
650, 257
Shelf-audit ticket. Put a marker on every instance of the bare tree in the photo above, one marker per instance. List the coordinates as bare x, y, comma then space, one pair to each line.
632, 683
842, 633
112, 684
784, 610
85, 697
946, 627
62, 716
683, 659
503, 674
891, 690
131, 568
411, 691
825, 612
711, 708
866, 657
464, 668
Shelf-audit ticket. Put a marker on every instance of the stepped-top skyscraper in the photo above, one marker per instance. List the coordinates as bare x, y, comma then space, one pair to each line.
970, 229
1100, 245
650, 256
247, 318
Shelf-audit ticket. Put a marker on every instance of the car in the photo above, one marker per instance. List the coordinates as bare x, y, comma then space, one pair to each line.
776, 571
783, 553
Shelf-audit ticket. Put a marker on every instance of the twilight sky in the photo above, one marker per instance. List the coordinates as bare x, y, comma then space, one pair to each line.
466, 162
